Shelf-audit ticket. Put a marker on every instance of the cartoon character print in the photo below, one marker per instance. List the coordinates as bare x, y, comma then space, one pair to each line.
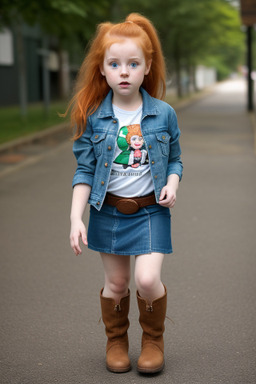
131, 144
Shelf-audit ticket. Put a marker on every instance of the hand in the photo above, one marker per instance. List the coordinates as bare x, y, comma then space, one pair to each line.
77, 230
168, 196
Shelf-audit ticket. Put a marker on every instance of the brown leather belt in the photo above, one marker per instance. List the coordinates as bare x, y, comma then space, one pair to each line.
129, 205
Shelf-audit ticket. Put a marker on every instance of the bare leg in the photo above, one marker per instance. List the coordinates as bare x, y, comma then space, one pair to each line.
117, 276
148, 276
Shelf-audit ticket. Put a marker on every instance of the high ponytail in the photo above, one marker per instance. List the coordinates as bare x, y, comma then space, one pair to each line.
155, 81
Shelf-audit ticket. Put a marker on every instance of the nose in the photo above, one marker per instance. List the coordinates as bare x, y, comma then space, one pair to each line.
124, 71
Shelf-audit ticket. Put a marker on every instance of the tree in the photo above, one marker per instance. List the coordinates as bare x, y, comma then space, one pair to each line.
61, 18
193, 31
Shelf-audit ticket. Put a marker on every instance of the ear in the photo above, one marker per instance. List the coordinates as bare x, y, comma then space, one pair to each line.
101, 70
148, 66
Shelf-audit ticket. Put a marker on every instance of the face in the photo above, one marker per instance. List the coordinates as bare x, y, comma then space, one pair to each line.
124, 67
136, 142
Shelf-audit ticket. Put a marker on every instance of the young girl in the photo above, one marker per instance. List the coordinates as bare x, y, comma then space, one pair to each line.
119, 85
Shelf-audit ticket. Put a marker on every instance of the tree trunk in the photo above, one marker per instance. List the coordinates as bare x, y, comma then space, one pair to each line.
22, 73
46, 76
193, 73
178, 76
63, 75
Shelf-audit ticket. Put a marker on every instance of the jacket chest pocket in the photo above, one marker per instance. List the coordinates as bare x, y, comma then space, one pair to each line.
163, 140
98, 141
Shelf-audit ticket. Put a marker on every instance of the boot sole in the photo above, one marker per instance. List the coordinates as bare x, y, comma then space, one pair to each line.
150, 371
119, 370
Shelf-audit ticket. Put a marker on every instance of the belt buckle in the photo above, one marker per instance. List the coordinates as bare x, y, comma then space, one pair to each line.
127, 206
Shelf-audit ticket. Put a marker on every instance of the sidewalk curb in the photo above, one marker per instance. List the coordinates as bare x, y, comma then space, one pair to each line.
187, 102
50, 132
45, 134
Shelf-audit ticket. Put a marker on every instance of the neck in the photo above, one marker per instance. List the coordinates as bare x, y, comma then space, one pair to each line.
128, 103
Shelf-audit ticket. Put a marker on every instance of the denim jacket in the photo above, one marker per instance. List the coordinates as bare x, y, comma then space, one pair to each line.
95, 149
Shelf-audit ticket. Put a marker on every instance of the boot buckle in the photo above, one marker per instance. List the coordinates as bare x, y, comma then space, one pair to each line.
117, 308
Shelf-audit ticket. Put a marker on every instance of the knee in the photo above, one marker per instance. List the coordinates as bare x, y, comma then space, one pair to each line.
147, 281
119, 284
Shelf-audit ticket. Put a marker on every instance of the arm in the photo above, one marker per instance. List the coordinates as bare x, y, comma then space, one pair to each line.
175, 165
85, 157
80, 198
174, 170
168, 193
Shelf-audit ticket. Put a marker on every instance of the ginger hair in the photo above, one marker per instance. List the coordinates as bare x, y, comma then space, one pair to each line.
91, 87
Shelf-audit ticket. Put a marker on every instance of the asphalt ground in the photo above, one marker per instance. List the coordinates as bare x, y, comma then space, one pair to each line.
49, 327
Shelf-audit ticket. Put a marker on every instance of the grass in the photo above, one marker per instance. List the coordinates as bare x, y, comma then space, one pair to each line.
14, 126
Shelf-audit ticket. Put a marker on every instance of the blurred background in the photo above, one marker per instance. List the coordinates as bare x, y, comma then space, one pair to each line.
42, 45
49, 331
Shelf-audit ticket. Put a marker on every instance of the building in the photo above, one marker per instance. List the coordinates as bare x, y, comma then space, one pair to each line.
25, 56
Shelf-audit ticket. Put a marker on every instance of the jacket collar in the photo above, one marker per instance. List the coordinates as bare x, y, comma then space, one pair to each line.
149, 105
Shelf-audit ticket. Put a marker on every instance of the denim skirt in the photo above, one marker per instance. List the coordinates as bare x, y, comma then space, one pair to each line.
143, 232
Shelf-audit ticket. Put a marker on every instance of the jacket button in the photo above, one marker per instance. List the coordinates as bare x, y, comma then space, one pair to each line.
114, 121
163, 137
109, 147
96, 136
152, 162
106, 164
155, 176
150, 146
102, 183
98, 202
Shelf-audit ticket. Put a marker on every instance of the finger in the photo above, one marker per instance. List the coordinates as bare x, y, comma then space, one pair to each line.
164, 203
84, 238
77, 250
168, 202
74, 242
167, 199
172, 203
162, 194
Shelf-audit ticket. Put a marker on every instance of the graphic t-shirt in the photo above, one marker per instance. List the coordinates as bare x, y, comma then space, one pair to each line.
130, 173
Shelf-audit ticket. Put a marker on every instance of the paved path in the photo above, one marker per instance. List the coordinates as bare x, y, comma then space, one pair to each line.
49, 298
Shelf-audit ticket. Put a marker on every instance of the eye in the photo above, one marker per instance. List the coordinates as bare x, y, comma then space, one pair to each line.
134, 65
114, 64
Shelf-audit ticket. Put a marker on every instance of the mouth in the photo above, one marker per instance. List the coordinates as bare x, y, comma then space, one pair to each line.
124, 84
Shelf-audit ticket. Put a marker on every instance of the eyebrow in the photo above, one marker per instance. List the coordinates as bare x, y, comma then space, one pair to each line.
118, 58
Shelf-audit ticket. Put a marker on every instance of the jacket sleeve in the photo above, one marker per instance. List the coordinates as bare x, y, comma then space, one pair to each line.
174, 162
86, 161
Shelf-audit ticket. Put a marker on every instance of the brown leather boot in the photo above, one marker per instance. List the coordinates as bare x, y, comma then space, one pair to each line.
152, 319
115, 318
